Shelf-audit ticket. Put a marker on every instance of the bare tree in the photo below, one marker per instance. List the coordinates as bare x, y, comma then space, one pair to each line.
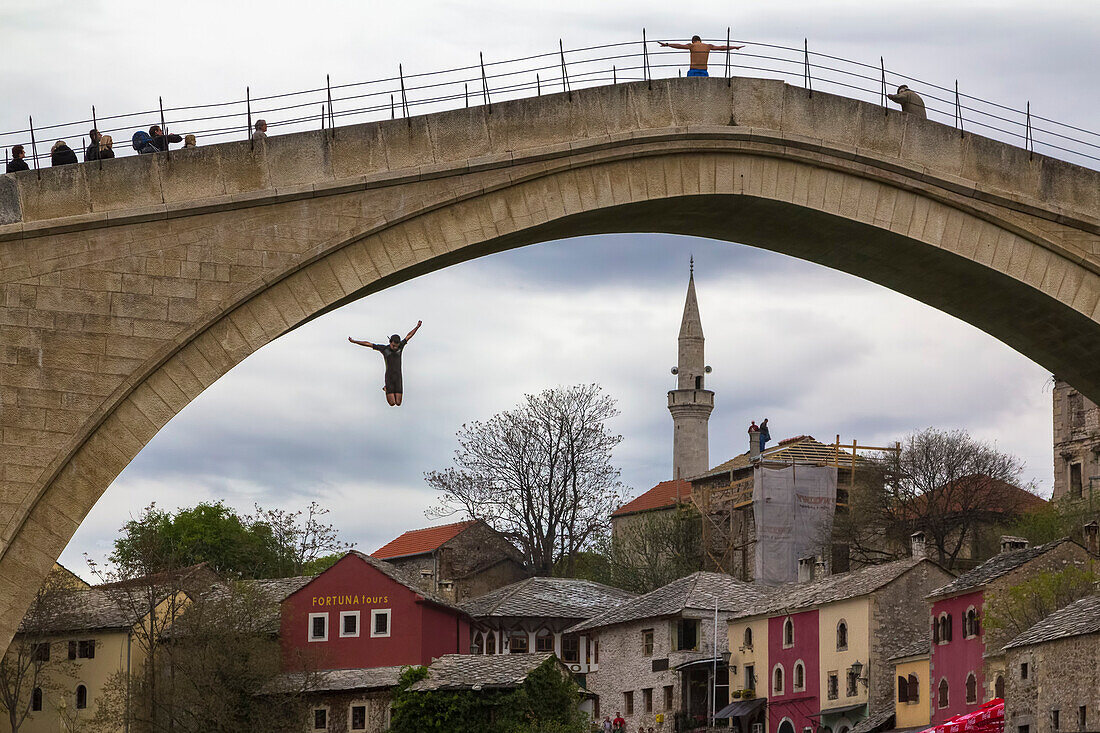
300, 535
541, 473
654, 549
31, 663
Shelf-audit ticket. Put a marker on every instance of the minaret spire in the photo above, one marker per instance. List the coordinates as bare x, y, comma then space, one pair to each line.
690, 403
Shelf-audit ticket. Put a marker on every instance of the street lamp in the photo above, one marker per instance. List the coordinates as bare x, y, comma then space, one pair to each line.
857, 670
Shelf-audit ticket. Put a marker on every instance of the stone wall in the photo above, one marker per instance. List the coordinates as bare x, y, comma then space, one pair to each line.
1076, 441
1062, 675
339, 704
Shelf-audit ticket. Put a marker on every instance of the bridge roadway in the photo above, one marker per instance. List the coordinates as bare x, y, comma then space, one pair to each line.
128, 288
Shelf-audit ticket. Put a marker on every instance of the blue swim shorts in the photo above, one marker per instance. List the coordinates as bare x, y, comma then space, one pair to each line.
697, 72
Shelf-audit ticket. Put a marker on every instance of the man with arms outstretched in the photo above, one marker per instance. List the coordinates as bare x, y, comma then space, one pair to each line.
700, 52
391, 352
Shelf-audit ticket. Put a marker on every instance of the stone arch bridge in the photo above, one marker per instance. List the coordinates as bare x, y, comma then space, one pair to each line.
128, 288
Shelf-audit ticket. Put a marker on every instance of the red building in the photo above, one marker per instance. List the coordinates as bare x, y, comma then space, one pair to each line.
363, 612
794, 673
958, 651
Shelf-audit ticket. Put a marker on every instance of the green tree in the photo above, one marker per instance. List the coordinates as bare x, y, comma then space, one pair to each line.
1013, 611
267, 544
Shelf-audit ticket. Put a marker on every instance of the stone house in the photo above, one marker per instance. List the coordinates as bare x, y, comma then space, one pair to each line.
1053, 673
456, 561
819, 651
1076, 443
532, 616
658, 652
344, 699
967, 661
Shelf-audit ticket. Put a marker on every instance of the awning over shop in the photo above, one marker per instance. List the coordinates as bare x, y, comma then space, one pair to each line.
708, 663
741, 708
989, 718
839, 711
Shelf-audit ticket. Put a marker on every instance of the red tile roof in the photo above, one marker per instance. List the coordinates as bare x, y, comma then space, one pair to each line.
662, 495
420, 541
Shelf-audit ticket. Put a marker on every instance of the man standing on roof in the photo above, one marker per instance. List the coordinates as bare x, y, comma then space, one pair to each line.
700, 52
765, 434
391, 352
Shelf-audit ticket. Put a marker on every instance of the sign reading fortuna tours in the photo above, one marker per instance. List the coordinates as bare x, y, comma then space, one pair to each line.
352, 600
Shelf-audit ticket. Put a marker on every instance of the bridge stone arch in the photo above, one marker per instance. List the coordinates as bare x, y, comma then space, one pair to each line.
126, 290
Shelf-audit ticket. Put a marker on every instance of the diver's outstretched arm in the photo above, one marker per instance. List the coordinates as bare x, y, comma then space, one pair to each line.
415, 329
361, 343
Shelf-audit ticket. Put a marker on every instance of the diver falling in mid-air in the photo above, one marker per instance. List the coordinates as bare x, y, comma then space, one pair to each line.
391, 352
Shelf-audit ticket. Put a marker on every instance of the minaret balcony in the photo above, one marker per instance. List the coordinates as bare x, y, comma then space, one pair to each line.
691, 398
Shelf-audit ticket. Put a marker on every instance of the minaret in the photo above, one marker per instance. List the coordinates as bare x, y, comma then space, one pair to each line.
690, 403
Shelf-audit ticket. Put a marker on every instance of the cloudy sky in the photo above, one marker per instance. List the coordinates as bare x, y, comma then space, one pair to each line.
817, 351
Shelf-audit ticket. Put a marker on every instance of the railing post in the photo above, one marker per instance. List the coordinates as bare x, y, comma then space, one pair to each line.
728, 81
806, 80
465, 93
95, 126
34, 148
331, 120
1029, 141
322, 118
485, 83
882, 98
248, 107
538, 85
164, 129
564, 72
645, 60
614, 75
958, 110
404, 99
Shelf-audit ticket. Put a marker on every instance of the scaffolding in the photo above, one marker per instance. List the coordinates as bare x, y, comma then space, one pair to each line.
725, 508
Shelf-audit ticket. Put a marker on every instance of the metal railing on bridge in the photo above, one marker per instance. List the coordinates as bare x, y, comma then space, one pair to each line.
562, 70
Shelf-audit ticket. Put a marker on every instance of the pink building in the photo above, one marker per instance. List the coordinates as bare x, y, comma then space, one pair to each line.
793, 673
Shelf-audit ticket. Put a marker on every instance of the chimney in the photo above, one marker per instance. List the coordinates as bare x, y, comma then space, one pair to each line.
806, 569
820, 568
916, 543
1092, 537
1010, 543
754, 445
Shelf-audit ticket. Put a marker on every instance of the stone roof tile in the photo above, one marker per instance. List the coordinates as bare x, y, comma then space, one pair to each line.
1078, 618
567, 598
480, 672
995, 567
336, 680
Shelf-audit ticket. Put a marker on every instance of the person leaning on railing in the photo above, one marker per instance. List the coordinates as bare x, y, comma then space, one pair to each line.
910, 102
92, 151
17, 163
160, 141
106, 149
62, 154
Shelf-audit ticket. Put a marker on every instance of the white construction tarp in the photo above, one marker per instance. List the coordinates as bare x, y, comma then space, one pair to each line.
793, 509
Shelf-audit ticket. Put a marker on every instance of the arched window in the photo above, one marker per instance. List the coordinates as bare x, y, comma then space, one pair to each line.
943, 699
491, 642
36, 699
971, 689
914, 688
842, 636
999, 687
788, 633
777, 680
81, 697
799, 682
943, 629
748, 637
903, 689
971, 626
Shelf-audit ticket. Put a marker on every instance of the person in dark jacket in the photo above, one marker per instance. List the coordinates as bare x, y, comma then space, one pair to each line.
92, 151
160, 140
17, 163
62, 154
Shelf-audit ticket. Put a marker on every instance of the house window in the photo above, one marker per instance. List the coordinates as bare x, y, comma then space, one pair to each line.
999, 687
544, 641
748, 637
971, 689
903, 689
943, 699
628, 702
647, 643
86, 649
668, 697
318, 627
647, 699
944, 628
777, 680
379, 622
834, 686
914, 689
1076, 410
842, 636
1075, 484
358, 717
1023, 728
349, 623
687, 634
36, 700
1023, 671
595, 644
491, 642
320, 718
971, 626
41, 652
570, 649
853, 683
750, 677
799, 682
478, 643
788, 633
1054, 719
517, 642
81, 697
1081, 717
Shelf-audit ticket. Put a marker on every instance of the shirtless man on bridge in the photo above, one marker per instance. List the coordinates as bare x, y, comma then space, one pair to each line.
700, 52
